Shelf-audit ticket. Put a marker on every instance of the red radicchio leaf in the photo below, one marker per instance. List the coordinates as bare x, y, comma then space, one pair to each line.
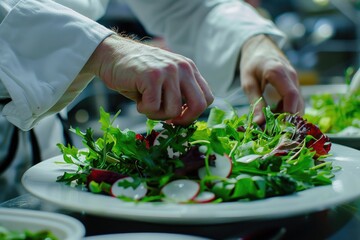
101, 175
139, 137
192, 160
321, 143
149, 139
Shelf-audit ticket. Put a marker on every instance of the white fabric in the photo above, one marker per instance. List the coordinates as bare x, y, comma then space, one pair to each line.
41, 59
43, 46
93, 9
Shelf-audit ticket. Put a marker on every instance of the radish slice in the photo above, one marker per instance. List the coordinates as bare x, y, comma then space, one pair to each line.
223, 167
182, 190
119, 191
204, 197
203, 149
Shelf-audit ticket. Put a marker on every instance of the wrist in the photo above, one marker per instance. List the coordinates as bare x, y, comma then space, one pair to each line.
253, 42
260, 45
113, 47
93, 65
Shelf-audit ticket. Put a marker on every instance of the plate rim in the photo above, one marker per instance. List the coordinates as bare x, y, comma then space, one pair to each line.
186, 213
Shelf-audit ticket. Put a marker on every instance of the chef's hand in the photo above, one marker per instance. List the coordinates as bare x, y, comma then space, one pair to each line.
164, 85
262, 63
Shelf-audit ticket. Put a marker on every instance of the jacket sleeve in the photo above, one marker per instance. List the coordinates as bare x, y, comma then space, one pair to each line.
210, 32
43, 47
93, 9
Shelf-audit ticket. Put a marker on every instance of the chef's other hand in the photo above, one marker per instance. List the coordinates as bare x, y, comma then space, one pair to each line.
164, 85
263, 64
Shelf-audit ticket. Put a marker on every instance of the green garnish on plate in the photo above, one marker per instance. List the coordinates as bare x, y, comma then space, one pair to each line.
6, 234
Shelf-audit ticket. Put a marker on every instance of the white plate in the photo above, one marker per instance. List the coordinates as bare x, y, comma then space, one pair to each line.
145, 235
63, 227
40, 180
308, 91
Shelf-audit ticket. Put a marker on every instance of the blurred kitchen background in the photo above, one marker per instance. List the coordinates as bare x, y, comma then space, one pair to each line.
324, 40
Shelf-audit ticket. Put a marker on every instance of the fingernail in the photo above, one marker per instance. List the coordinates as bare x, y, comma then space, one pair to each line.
258, 118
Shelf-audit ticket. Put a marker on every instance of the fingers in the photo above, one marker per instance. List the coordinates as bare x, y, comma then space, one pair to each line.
284, 79
197, 96
203, 84
160, 82
277, 75
263, 64
160, 94
163, 97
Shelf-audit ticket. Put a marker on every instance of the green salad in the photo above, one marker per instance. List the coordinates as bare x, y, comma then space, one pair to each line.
334, 112
228, 157
6, 234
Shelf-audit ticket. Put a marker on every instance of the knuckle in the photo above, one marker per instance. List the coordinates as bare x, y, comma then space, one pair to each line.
200, 105
185, 66
293, 75
170, 66
210, 100
277, 69
155, 75
294, 92
247, 86
174, 112
148, 105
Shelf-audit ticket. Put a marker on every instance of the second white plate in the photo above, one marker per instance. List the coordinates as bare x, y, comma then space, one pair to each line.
62, 226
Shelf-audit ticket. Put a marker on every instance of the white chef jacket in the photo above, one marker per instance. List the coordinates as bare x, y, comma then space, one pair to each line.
40, 60
43, 47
